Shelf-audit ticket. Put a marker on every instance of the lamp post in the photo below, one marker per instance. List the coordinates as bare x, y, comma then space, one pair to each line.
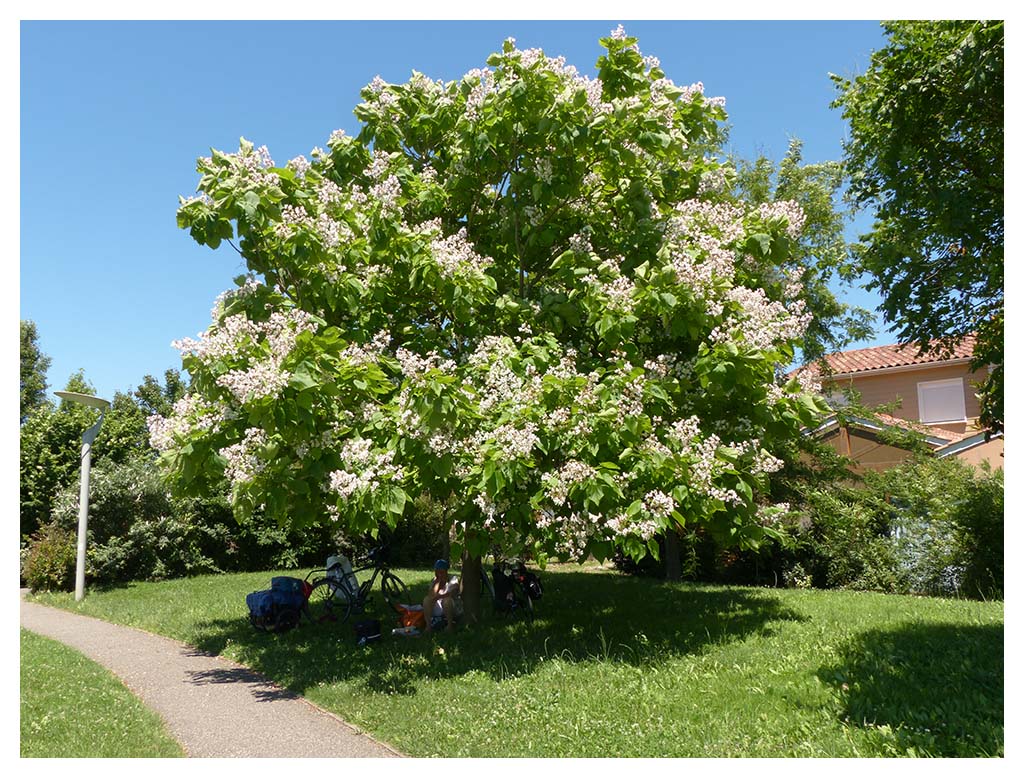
83, 496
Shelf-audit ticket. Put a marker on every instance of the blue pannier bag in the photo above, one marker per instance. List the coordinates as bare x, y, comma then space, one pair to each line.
261, 604
276, 609
284, 583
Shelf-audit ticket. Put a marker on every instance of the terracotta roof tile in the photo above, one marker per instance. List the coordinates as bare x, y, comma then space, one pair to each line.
896, 355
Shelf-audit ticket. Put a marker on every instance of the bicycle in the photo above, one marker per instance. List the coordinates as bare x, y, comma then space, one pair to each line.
513, 590
332, 596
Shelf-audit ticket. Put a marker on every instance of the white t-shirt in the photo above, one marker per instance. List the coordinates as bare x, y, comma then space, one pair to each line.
438, 609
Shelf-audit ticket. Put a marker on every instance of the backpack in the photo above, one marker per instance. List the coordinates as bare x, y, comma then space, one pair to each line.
341, 576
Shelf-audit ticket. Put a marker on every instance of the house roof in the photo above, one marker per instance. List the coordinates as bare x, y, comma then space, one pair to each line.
935, 432
865, 360
934, 436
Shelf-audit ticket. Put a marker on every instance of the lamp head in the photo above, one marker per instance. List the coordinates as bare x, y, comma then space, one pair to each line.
84, 399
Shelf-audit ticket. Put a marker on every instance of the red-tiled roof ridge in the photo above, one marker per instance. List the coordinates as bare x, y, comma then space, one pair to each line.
894, 355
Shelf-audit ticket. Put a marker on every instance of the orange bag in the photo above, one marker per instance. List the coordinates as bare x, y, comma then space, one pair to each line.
411, 618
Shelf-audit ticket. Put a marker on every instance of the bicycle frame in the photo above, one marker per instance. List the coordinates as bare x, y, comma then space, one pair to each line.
367, 586
380, 568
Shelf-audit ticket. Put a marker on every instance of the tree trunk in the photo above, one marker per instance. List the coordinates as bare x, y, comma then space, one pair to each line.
470, 587
673, 563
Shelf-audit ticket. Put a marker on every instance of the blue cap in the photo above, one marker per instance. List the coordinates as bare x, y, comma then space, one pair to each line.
441, 564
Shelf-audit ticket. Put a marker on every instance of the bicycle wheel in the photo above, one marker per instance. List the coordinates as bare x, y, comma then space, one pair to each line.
395, 592
328, 603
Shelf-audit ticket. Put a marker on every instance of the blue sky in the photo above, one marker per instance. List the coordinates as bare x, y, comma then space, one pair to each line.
114, 114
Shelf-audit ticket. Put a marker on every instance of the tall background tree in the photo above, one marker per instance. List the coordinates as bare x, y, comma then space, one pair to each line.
821, 255
51, 440
34, 364
50, 445
926, 151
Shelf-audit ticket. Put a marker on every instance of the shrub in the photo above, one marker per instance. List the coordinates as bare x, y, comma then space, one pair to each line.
261, 543
139, 531
134, 532
929, 526
700, 559
979, 521
419, 538
51, 444
848, 544
49, 562
947, 523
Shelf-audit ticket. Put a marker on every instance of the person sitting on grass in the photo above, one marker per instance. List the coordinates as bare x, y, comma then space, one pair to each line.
442, 601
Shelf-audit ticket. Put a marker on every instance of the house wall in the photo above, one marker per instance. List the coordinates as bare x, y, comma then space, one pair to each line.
867, 454
991, 452
885, 387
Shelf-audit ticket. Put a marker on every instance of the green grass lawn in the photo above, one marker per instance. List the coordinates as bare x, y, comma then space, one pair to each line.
71, 707
629, 667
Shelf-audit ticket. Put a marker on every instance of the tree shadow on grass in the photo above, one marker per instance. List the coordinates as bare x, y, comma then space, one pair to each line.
934, 688
583, 617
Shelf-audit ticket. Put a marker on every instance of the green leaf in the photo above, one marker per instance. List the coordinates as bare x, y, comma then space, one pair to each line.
759, 245
395, 500
301, 378
743, 489
455, 550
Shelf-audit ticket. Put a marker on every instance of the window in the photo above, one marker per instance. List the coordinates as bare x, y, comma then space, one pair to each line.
939, 401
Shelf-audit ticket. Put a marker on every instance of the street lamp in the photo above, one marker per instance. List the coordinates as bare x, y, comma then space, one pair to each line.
83, 496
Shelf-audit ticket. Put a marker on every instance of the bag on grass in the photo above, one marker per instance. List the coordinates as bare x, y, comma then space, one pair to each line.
411, 616
367, 630
261, 604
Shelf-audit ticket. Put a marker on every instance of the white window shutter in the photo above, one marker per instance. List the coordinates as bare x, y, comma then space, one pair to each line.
940, 401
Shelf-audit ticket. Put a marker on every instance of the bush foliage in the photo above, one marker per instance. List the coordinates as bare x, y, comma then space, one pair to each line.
139, 531
48, 564
930, 526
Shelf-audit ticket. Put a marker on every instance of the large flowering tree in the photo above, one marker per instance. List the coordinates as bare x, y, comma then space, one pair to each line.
525, 296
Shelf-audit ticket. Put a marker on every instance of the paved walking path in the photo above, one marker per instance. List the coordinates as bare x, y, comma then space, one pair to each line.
213, 707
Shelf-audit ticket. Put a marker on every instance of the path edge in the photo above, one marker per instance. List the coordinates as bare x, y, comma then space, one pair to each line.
271, 683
